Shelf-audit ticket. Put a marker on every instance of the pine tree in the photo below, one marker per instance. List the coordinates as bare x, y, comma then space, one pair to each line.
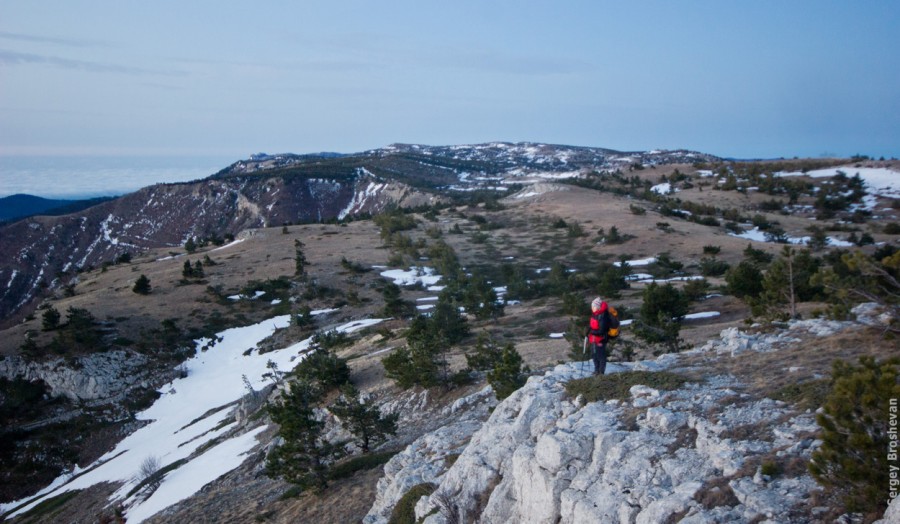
744, 280
324, 368
446, 324
853, 460
190, 246
480, 299
187, 270
857, 277
304, 457
787, 282
364, 420
661, 313
613, 237
142, 285
486, 354
420, 362
50, 319
394, 305
509, 373
303, 318
398, 366
818, 240
300, 262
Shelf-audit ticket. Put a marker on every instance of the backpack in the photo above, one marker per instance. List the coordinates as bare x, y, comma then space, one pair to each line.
613, 323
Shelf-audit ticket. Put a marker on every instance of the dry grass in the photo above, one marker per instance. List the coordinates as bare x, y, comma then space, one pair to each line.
766, 374
716, 493
618, 385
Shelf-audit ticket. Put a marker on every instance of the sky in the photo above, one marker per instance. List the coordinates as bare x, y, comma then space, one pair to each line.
759, 79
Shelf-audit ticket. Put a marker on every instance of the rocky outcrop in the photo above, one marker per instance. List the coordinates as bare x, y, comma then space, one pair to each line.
426, 459
95, 377
542, 457
694, 454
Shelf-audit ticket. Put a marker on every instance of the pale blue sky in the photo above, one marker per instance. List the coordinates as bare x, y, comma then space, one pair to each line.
742, 79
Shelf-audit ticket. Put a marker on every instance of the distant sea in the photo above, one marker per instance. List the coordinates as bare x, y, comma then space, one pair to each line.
76, 177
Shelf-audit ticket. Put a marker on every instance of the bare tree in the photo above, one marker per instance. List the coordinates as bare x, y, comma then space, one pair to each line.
150, 473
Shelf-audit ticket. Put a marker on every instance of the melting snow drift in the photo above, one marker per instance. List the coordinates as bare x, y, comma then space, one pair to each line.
192, 412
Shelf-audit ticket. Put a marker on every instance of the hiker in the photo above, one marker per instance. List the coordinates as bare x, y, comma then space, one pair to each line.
597, 334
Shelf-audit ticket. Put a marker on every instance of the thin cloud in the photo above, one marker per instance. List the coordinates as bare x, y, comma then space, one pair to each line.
13, 58
69, 42
510, 64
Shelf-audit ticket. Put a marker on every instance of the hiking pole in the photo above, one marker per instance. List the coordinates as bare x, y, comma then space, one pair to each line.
583, 354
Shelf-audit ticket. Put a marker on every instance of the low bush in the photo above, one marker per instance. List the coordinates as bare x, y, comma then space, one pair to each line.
805, 395
405, 510
349, 467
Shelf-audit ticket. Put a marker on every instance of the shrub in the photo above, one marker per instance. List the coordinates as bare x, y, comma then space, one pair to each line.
405, 510
353, 267
149, 472
349, 467
392, 221
892, 228
805, 395
575, 230
713, 267
855, 460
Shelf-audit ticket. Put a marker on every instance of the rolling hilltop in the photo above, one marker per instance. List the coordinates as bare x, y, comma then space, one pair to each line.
420, 274
44, 253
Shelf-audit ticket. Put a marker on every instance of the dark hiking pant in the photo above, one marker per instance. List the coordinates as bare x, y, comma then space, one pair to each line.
599, 358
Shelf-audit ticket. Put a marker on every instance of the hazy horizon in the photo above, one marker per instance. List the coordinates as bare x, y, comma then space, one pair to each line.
746, 80
76, 177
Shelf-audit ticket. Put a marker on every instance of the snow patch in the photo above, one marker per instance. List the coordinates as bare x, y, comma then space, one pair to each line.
412, 276
639, 262
179, 422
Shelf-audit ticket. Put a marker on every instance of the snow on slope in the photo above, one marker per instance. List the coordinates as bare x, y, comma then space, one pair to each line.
191, 412
879, 180
757, 235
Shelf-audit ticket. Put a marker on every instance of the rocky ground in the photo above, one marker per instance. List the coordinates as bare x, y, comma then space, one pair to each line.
706, 452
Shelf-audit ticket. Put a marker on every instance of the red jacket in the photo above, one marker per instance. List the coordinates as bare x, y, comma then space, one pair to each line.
599, 325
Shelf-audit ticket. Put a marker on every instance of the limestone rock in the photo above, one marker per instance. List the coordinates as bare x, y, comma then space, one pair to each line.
542, 457
98, 376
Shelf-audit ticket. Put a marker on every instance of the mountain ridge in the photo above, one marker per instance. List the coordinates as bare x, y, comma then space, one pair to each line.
41, 254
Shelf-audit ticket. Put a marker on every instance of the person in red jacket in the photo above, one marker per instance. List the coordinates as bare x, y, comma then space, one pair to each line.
597, 334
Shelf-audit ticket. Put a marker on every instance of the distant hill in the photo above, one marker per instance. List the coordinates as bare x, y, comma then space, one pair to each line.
38, 255
20, 206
